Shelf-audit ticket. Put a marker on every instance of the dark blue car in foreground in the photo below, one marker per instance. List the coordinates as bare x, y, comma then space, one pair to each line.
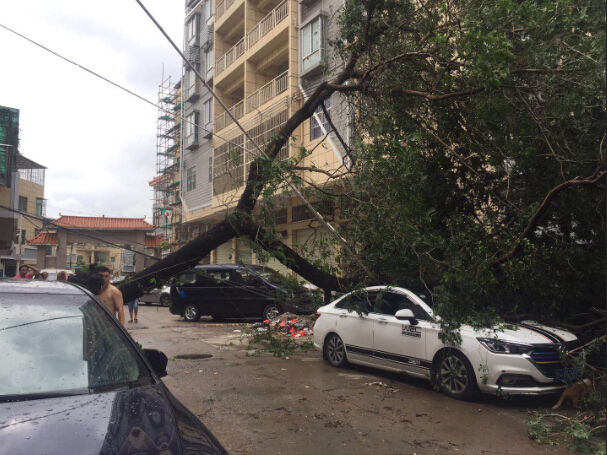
72, 381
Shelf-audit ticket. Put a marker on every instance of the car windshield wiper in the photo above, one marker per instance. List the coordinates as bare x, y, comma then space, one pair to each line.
44, 395
140, 382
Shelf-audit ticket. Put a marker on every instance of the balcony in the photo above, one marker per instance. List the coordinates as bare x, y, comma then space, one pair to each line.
273, 88
264, 26
230, 57
224, 119
222, 7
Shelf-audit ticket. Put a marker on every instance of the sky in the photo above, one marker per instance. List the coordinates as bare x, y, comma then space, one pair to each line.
98, 142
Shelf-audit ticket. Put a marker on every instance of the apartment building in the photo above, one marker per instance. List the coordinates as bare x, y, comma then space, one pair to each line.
21, 188
269, 55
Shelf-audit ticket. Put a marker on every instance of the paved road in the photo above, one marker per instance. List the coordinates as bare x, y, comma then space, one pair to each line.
301, 405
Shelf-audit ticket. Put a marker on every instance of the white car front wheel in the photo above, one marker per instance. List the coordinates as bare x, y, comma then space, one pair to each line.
453, 374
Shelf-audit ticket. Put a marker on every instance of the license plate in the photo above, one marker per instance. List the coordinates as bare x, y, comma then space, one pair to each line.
565, 373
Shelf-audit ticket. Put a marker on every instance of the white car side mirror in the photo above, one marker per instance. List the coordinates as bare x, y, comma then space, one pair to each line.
407, 316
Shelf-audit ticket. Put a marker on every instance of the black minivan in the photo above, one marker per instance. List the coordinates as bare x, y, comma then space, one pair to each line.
236, 291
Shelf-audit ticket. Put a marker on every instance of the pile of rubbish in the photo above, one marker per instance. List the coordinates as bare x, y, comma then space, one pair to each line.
287, 324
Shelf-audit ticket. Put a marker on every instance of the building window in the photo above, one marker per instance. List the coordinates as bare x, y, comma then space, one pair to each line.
191, 128
191, 179
193, 31
208, 114
315, 130
40, 206
49, 251
22, 204
36, 232
280, 216
23, 236
210, 168
303, 213
210, 62
311, 47
208, 9
192, 84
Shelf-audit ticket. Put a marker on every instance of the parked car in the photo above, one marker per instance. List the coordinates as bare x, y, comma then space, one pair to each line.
52, 273
399, 332
74, 382
236, 291
161, 296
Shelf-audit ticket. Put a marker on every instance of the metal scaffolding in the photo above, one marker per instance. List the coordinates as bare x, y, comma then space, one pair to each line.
165, 185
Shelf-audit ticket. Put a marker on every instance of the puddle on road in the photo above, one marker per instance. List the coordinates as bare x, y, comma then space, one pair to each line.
193, 356
354, 376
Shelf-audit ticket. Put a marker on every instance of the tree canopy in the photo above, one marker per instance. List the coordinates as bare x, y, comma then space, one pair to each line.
477, 159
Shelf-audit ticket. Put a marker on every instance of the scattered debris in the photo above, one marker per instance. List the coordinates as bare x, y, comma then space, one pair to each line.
287, 324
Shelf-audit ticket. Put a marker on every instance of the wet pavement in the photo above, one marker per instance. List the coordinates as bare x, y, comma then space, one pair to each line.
301, 405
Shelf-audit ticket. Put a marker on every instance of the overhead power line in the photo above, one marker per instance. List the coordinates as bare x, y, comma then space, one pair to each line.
31, 217
115, 84
310, 207
314, 212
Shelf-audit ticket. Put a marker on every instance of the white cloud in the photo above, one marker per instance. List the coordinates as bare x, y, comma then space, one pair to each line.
98, 142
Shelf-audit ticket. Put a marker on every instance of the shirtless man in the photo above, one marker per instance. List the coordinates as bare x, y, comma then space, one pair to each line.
110, 296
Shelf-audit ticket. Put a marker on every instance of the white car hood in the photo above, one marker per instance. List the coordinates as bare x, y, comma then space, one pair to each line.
528, 332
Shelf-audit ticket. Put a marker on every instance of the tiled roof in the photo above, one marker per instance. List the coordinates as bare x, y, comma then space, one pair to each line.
153, 241
44, 238
103, 223
50, 238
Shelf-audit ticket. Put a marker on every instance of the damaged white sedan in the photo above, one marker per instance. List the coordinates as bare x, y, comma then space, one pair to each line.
397, 331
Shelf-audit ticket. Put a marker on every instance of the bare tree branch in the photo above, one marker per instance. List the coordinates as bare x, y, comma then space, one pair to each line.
593, 180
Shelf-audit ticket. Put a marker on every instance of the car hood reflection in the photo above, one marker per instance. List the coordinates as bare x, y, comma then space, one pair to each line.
132, 421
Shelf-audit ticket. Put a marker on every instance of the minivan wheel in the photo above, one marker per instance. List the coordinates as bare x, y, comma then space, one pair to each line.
191, 313
335, 351
165, 300
271, 311
454, 375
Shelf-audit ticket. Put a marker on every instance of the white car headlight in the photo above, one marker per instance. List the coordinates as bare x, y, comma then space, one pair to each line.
504, 347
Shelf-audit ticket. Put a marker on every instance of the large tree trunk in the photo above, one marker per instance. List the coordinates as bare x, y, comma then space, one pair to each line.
240, 220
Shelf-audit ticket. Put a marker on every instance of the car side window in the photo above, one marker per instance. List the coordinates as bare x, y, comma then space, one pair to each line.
212, 276
360, 301
385, 304
187, 278
395, 302
244, 277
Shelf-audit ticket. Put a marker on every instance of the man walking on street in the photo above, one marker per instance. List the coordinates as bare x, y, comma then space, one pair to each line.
133, 307
110, 296
23, 271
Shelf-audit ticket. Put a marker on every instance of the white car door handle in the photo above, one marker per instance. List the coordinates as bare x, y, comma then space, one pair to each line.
343, 315
382, 321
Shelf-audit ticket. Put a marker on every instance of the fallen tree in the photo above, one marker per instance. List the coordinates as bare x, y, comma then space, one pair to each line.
478, 160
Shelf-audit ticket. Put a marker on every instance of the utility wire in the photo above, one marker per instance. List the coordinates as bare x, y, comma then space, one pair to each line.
317, 215
31, 217
118, 85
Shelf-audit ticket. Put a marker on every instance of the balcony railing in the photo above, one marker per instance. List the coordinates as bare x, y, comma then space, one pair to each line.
267, 92
230, 57
222, 7
224, 119
268, 23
